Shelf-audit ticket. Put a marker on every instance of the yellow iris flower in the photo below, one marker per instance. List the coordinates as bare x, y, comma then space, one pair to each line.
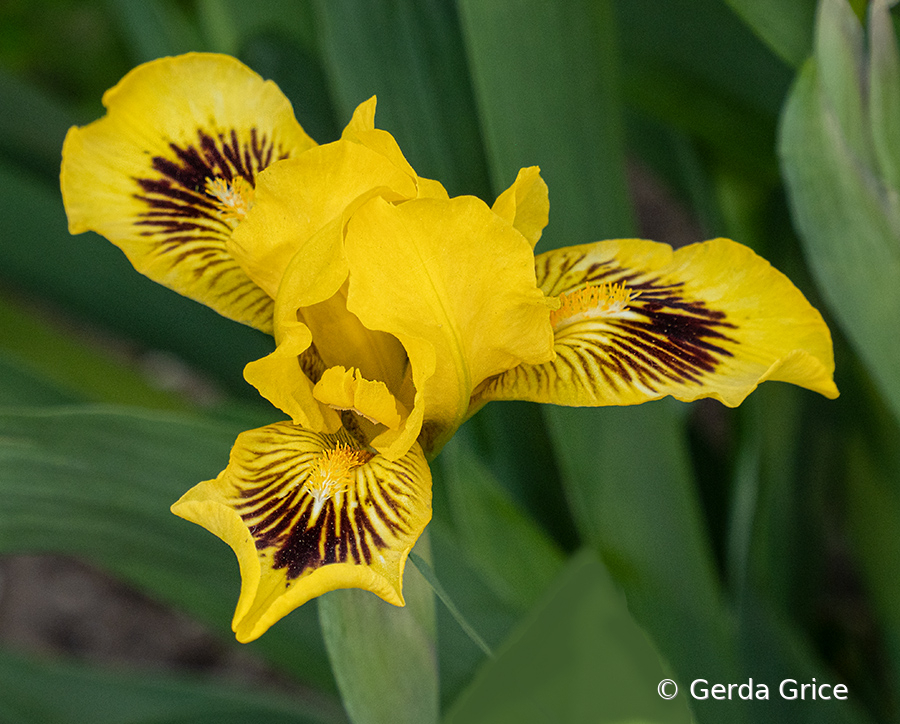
397, 313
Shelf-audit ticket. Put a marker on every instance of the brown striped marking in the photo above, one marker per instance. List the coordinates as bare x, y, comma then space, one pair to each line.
352, 526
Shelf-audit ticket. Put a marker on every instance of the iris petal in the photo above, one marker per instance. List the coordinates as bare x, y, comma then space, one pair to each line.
298, 198
308, 513
455, 284
169, 171
526, 204
639, 322
344, 389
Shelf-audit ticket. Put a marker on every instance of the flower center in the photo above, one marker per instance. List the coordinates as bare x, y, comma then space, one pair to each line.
233, 199
590, 301
331, 474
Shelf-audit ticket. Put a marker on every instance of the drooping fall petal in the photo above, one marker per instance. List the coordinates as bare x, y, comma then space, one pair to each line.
307, 513
169, 172
638, 321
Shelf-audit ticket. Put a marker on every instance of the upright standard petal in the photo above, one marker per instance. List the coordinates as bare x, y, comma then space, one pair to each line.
314, 332
296, 199
455, 284
638, 321
292, 244
169, 172
526, 204
307, 513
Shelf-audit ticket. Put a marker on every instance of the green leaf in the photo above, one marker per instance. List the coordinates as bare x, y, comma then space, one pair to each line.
514, 555
786, 27
73, 365
848, 217
628, 476
777, 569
22, 387
300, 76
218, 26
511, 439
32, 125
545, 80
884, 92
693, 66
625, 471
740, 137
289, 18
578, 657
97, 483
154, 29
703, 45
50, 692
873, 498
410, 54
383, 656
449, 605
765, 537
773, 651
492, 618
841, 60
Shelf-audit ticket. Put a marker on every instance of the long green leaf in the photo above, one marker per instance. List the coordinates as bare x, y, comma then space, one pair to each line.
770, 558
773, 652
97, 482
703, 44
428, 574
787, 28
515, 556
776, 559
474, 596
383, 656
873, 498
410, 54
841, 60
695, 67
629, 480
22, 387
578, 657
848, 216
153, 29
884, 92
33, 691
74, 365
545, 80
32, 125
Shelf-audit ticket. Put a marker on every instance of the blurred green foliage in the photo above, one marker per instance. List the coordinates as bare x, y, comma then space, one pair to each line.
760, 542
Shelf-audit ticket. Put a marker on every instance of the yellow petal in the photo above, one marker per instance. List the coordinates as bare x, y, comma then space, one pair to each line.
345, 389
526, 204
307, 513
431, 189
296, 199
286, 378
455, 284
361, 130
315, 331
638, 322
169, 171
